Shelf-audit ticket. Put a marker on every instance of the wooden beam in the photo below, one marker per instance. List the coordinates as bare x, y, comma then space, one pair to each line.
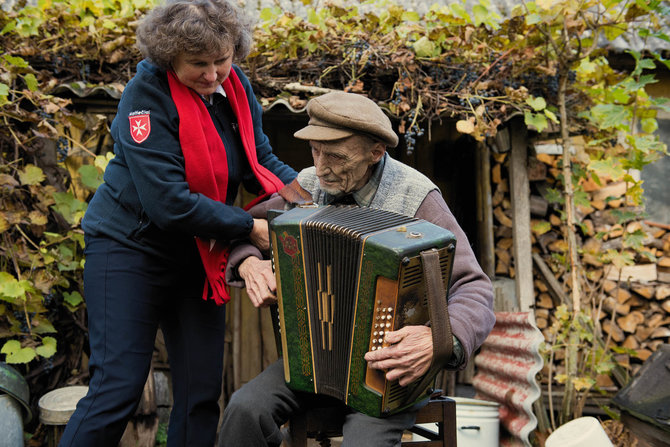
520, 193
484, 210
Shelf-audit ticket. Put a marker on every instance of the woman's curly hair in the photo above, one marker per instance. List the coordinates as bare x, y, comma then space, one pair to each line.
193, 27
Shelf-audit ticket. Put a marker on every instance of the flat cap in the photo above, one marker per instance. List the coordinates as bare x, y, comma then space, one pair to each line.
337, 115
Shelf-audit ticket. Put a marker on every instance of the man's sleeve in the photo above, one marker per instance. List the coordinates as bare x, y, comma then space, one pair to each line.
470, 292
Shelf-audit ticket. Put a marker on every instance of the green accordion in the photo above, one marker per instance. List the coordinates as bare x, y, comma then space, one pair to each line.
345, 276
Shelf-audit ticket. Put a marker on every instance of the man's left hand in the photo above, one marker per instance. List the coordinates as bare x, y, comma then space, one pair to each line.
408, 357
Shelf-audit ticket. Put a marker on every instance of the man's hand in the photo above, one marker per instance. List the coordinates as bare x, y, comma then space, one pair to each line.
260, 235
260, 281
409, 356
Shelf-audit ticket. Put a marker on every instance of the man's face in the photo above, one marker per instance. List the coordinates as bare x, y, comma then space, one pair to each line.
344, 166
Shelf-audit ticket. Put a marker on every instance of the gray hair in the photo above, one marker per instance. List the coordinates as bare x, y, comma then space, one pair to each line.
193, 27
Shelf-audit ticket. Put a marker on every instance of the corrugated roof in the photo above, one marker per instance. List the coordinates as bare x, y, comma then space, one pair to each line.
507, 364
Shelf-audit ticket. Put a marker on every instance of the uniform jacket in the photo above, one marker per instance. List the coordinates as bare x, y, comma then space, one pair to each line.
145, 201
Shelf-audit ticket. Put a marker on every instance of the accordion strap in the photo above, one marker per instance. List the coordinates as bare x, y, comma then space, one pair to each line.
439, 319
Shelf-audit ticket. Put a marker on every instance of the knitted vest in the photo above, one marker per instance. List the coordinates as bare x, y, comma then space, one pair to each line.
402, 188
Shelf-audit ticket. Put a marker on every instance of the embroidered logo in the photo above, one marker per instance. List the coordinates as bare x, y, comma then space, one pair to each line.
140, 125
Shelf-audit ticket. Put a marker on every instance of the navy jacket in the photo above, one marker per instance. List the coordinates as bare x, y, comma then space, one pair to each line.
145, 201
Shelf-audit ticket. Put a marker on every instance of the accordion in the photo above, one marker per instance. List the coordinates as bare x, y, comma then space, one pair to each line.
345, 276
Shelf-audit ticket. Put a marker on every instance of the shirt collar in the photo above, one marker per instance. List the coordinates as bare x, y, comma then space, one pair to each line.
210, 98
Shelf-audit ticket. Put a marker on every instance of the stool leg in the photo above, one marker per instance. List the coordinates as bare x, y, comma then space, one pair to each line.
298, 431
448, 425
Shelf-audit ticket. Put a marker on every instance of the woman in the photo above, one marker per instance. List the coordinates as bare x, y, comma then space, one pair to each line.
187, 134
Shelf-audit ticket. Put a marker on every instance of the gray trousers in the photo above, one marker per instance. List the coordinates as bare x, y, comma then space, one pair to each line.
256, 412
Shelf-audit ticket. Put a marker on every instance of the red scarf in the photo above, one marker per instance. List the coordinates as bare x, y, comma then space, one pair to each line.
207, 165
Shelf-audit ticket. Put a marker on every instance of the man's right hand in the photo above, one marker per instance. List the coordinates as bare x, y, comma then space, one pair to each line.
260, 281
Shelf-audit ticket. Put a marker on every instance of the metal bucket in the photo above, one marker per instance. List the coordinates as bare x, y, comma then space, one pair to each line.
11, 422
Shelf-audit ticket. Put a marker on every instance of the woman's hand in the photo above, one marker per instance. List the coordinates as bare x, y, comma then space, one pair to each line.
260, 281
260, 235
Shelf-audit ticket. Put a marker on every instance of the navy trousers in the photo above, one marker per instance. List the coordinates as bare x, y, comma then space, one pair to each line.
128, 296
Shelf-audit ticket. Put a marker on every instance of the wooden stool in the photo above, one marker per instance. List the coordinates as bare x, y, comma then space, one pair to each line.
56, 407
322, 424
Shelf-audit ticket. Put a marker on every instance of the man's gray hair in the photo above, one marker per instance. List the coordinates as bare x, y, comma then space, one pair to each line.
193, 27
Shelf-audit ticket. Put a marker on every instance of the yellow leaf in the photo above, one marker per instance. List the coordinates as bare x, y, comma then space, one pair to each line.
465, 126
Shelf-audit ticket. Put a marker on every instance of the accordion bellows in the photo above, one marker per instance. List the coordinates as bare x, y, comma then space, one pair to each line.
345, 276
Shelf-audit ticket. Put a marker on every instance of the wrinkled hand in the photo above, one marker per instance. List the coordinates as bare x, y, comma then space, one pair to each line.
260, 281
409, 356
260, 235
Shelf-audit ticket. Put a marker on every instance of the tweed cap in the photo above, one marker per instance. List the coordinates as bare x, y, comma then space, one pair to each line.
337, 115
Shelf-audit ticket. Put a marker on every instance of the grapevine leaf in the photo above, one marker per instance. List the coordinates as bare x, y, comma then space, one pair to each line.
48, 348
31, 175
15, 353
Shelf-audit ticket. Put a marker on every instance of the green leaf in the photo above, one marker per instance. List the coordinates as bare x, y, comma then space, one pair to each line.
73, 299
634, 239
459, 11
582, 198
10, 288
535, 120
4, 92
15, 61
541, 227
537, 103
90, 176
549, 114
71, 208
553, 195
15, 353
424, 47
607, 167
410, 16
31, 175
649, 125
48, 347
607, 116
614, 31
31, 82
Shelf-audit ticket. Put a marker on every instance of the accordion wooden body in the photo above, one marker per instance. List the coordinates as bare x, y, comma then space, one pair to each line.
345, 276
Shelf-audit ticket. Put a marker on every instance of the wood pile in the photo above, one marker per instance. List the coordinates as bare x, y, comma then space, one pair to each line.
631, 305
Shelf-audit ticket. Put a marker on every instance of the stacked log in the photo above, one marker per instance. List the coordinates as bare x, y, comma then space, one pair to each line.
630, 306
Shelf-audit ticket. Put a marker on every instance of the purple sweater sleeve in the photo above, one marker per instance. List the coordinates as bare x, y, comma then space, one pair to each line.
470, 293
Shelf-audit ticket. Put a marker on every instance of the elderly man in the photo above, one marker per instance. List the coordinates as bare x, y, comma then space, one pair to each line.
348, 135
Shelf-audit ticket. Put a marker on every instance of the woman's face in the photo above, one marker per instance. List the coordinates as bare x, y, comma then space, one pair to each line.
203, 72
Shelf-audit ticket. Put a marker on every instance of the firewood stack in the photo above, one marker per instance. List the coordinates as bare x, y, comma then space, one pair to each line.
631, 305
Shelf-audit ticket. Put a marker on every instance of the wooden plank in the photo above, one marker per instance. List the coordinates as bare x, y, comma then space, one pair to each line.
485, 210
520, 193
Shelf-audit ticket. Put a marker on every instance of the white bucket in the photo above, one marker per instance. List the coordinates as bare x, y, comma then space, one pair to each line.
584, 431
477, 422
